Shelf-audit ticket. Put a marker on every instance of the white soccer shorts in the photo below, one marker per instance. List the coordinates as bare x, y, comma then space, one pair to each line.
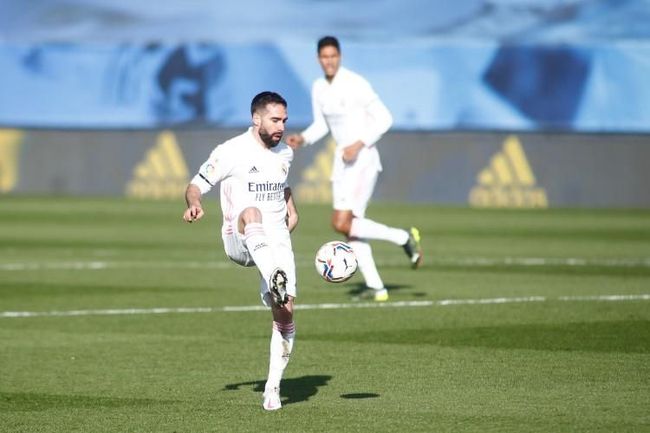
353, 188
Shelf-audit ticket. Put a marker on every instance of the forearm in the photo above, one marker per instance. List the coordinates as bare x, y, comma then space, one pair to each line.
193, 195
194, 210
318, 128
292, 211
382, 120
314, 132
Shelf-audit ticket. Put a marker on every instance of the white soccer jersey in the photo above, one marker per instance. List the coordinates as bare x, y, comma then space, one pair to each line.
250, 175
349, 108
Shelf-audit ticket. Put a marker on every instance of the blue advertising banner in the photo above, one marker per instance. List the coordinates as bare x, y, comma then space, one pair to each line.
468, 65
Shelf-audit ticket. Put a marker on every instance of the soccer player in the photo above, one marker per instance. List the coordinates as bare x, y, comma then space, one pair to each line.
345, 104
258, 215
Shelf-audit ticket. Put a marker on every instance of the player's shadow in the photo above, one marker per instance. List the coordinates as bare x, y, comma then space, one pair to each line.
359, 395
360, 291
293, 390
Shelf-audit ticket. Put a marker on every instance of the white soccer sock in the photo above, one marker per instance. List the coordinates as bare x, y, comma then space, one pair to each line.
259, 248
363, 251
365, 228
280, 352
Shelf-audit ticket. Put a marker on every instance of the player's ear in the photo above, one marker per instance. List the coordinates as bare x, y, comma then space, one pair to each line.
257, 119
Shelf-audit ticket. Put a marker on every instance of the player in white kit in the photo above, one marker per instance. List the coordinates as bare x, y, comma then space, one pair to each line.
345, 105
258, 215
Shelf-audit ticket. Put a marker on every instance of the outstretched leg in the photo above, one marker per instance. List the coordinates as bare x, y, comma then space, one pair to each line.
366, 261
342, 220
364, 228
368, 229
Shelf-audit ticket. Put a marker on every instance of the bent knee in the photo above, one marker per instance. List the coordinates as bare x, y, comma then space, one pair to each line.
248, 216
251, 214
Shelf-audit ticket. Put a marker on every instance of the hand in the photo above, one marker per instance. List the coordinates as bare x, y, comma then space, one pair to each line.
193, 213
351, 152
294, 141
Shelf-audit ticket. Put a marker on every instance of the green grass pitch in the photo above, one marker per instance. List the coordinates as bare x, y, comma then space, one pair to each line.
116, 317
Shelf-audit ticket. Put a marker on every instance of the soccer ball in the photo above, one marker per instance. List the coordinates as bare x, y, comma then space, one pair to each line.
335, 262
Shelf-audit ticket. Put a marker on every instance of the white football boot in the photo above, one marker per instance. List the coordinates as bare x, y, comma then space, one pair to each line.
278, 286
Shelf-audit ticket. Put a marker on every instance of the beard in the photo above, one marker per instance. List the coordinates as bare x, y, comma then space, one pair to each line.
270, 139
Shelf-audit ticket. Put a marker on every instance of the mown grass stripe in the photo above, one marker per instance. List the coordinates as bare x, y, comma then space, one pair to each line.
454, 261
324, 306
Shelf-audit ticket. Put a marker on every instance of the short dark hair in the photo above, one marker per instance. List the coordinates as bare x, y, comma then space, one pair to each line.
261, 100
328, 41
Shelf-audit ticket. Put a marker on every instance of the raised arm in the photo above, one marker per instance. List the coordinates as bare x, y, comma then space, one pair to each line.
314, 132
380, 121
378, 114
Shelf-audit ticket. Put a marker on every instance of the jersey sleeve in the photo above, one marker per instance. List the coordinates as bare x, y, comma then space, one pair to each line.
216, 168
380, 119
318, 128
287, 157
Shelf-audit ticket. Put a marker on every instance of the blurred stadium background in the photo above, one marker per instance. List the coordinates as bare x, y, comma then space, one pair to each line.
497, 103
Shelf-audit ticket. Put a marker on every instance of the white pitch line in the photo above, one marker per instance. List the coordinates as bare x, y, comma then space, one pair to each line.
101, 265
544, 261
610, 298
326, 306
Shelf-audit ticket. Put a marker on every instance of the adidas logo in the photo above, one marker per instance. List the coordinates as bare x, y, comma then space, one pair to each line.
162, 173
508, 181
10, 141
315, 186
253, 170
